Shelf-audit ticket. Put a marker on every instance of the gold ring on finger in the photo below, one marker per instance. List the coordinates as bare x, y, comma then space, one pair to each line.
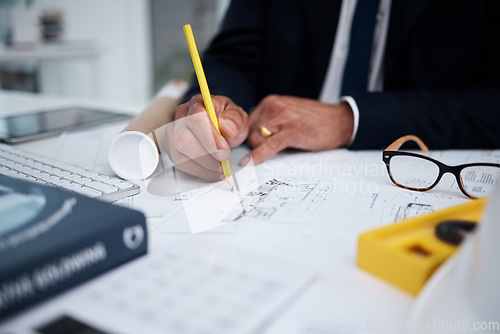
264, 132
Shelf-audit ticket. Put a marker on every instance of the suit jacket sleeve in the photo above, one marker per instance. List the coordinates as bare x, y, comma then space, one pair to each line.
453, 104
232, 63
271, 47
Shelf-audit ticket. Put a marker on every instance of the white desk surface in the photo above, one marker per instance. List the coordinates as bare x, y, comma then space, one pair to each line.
344, 298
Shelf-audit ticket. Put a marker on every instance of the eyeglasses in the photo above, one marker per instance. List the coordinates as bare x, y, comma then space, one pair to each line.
418, 172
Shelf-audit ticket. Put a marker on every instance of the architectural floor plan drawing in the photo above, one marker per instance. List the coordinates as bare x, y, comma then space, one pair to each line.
409, 204
403, 210
304, 188
282, 199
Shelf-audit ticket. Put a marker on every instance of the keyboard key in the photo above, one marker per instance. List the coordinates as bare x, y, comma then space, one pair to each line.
103, 178
123, 185
63, 183
101, 187
74, 177
11, 172
26, 169
51, 178
85, 180
65, 174
4, 169
21, 176
92, 174
84, 190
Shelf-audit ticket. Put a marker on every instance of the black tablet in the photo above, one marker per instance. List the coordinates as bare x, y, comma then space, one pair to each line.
43, 123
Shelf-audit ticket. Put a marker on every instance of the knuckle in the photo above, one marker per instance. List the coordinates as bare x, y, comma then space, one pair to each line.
195, 99
271, 99
196, 105
253, 140
221, 100
192, 108
277, 103
179, 111
237, 115
275, 143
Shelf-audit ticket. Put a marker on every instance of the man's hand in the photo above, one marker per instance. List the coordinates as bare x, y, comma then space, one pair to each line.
193, 143
298, 123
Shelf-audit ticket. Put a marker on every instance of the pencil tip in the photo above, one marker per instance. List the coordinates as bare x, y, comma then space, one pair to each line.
230, 180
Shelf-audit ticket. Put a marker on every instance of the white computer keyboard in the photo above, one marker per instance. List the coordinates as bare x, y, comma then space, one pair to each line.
29, 166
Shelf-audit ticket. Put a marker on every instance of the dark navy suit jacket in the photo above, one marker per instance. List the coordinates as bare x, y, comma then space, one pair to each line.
441, 66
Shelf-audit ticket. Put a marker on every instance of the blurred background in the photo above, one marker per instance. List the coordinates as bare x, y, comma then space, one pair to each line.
117, 51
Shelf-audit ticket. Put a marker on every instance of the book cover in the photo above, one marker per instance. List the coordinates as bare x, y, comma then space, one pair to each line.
51, 240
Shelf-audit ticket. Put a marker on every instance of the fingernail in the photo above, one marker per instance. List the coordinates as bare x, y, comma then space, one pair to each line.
230, 126
245, 160
222, 155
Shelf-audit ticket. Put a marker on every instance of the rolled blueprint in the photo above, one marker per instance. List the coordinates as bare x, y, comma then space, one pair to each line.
134, 153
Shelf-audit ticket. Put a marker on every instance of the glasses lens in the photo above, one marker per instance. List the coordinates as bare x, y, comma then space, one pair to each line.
480, 181
413, 172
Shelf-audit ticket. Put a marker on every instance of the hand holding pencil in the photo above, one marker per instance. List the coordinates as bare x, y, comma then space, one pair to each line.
207, 98
196, 145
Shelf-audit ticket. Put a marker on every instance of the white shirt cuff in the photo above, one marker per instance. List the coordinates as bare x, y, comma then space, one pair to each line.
355, 114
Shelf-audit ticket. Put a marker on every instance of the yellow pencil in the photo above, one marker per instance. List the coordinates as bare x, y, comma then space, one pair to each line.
205, 92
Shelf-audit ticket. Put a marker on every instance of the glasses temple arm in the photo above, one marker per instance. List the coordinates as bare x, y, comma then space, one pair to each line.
399, 142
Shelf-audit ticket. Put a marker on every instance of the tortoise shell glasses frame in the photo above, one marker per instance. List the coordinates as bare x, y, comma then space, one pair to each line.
393, 151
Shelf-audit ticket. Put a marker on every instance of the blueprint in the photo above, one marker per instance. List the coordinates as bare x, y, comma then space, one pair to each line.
294, 188
407, 204
283, 199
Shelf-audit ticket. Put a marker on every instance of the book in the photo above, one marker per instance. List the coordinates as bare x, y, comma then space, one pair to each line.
52, 239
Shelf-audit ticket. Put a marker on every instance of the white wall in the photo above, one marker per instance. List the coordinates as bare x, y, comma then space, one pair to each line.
171, 57
123, 71
121, 29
